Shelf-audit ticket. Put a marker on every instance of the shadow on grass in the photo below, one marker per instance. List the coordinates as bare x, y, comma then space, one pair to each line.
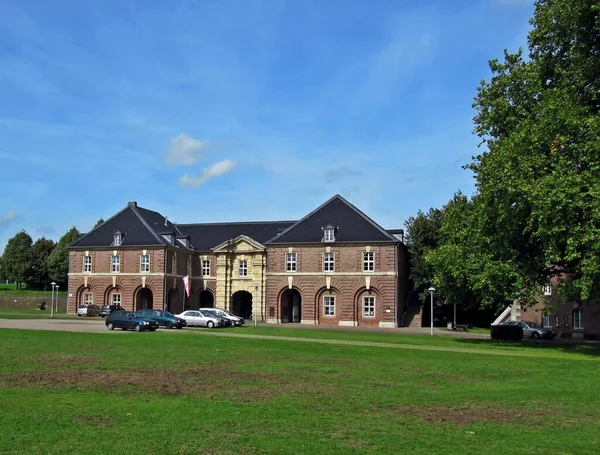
566, 345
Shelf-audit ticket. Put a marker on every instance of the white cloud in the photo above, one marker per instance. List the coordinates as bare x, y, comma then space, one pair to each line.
185, 150
214, 170
8, 217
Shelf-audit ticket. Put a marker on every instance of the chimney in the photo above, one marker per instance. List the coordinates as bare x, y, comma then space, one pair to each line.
132, 204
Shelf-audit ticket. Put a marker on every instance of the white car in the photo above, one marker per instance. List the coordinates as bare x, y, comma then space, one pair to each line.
235, 320
202, 319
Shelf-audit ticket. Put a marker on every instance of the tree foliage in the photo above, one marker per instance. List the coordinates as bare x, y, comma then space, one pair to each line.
536, 212
40, 251
58, 261
98, 223
17, 258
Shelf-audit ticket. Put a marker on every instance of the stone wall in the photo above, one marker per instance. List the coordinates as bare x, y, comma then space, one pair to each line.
28, 301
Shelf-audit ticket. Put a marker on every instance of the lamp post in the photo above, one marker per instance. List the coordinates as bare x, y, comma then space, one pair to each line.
56, 299
53, 284
431, 291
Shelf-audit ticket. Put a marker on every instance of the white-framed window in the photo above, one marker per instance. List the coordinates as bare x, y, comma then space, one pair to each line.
548, 290
117, 239
205, 267
174, 264
368, 261
329, 234
329, 305
87, 264
116, 299
243, 267
328, 262
547, 321
189, 266
144, 262
291, 264
115, 263
578, 319
368, 306
88, 298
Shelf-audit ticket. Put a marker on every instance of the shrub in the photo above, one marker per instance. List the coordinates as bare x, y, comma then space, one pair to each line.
506, 332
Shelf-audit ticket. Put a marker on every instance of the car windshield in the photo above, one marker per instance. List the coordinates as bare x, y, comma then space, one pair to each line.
166, 314
211, 313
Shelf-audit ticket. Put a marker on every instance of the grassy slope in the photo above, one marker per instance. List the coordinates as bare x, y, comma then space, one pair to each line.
184, 393
11, 289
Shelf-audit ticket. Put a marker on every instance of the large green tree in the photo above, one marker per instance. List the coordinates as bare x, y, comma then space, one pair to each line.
40, 251
17, 258
537, 206
423, 234
58, 261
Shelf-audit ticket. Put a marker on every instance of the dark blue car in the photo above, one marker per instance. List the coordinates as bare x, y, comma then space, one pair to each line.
128, 320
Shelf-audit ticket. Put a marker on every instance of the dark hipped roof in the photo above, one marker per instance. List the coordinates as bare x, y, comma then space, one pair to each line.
350, 223
209, 235
138, 226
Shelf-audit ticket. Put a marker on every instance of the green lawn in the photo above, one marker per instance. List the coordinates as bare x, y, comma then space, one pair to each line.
11, 289
185, 393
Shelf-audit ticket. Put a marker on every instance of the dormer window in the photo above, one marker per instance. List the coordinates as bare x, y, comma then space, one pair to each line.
117, 238
329, 233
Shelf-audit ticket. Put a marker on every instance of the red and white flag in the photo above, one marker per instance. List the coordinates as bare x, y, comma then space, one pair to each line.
186, 285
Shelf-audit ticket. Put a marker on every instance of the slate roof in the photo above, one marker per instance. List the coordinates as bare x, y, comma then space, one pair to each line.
351, 225
206, 236
139, 227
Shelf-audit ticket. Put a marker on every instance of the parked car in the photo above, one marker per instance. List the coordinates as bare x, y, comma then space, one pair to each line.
203, 318
164, 318
532, 330
88, 310
107, 309
235, 320
128, 320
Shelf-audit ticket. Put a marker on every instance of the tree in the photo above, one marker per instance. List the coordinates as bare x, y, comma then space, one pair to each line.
98, 223
423, 234
40, 251
538, 181
58, 261
17, 259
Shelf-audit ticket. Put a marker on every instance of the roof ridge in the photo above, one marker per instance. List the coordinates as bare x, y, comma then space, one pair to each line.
146, 225
233, 222
366, 217
302, 219
100, 225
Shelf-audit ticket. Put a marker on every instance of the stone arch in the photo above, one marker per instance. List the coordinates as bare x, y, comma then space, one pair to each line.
358, 306
108, 292
83, 289
174, 301
205, 298
289, 304
320, 305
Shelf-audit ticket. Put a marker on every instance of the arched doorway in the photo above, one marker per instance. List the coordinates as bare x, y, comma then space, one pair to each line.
143, 299
241, 304
206, 299
291, 306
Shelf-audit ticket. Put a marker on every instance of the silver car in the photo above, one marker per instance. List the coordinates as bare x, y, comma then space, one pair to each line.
531, 330
202, 319
235, 320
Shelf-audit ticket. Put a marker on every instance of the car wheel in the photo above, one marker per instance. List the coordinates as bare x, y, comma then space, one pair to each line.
79, 315
138, 328
110, 326
168, 325
535, 336
152, 329
210, 324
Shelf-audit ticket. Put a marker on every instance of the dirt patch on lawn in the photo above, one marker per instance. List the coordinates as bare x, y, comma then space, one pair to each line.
463, 416
96, 421
210, 382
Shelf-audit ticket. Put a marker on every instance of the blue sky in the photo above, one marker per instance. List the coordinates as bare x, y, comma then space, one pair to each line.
239, 110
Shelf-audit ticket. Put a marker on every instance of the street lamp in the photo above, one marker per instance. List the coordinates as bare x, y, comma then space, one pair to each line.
431, 291
57, 286
53, 284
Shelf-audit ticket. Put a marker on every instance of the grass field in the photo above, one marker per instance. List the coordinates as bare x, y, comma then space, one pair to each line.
11, 289
186, 393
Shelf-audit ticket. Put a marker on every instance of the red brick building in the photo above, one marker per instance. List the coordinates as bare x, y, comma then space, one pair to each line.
335, 266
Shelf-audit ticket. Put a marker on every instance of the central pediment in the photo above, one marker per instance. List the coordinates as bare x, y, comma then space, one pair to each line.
240, 244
